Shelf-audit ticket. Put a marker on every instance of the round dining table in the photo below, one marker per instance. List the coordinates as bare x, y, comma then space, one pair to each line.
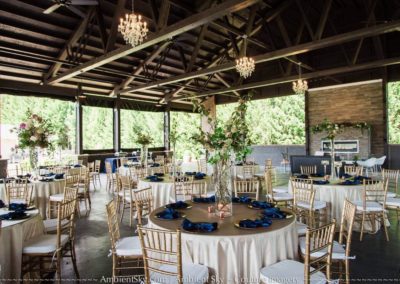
41, 191
13, 234
233, 255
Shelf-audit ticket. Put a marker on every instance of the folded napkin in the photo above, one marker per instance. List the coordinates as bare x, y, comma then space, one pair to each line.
257, 223
239, 164
199, 226
346, 176
261, 204
17, 206
242, 199
361, 178
210, 199
351, 182
199, 176
190, 173
126, 166
77, 166
48, 175
154, 178
154, 165
47, 179
14, 215
274, 213
321, 181
178, 205
2, 204
316, 175
159, 174
301, 176
168, 214
59, 176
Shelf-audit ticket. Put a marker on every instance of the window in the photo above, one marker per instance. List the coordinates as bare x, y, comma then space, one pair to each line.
97, 128
272, 121
393, 105
141, 121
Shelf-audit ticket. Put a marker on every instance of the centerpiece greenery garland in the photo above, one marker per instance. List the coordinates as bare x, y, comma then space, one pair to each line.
334, 128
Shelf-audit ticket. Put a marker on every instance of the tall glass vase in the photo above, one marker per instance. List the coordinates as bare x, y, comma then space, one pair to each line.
222, 179
333, 168
33, 158
144, 155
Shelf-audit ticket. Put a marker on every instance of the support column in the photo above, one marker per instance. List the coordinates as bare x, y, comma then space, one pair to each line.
307, 123
385, 118
117, 126
78, 128
167, 127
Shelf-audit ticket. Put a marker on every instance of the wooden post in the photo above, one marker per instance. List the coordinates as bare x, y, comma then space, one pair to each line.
78, 128
117, 126
167, 127
307, 122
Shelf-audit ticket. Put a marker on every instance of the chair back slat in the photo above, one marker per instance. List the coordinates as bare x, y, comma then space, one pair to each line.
199, 188
249, 186
113, 224
308, 170
18, 190
392, 176
66, 220
374, 191
144, 202
353, 170
346, 224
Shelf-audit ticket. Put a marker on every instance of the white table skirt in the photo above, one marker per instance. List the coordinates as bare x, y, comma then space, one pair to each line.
163, 192
12, 237
239, 258
41, 193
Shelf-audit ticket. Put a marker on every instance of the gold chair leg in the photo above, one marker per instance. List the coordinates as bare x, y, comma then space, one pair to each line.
384, 225
73, 257
362, 226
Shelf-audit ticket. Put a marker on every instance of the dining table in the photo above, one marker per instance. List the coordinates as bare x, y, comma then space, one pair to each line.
13, 234
232, 254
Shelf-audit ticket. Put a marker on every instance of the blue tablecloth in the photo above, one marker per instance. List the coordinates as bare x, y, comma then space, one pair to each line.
113, 162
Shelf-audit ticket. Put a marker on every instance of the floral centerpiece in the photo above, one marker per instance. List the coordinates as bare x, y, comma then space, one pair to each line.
225, 144
34, 133
144, 140
332, 130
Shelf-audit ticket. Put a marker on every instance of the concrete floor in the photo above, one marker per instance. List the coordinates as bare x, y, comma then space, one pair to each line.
377, 261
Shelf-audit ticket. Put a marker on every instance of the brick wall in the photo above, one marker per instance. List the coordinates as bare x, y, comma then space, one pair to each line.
350, 103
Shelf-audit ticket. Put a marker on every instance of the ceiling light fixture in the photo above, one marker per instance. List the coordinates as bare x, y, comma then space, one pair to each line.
133, 29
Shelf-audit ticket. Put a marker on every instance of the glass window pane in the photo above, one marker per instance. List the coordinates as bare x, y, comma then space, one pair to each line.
133, 121
97, 128
393, 106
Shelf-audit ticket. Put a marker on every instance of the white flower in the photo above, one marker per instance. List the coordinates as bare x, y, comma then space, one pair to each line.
39, 131
28, 124
33, 138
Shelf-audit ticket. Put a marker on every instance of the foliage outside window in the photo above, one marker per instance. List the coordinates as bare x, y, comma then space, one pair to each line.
134, 122
272, 121
97, 128
393, 105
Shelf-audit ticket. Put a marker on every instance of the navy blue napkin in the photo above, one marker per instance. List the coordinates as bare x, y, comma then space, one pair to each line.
77, 166
17, 206
190, 173
154, 178
159, 174
321, 181
2, 204
178, 205
239, 164
13, 215
301, 176
210, 199
59, 176
257, 223
48, 175
261, 204
351, 182
274, 213
154, 165
316, 175
346, 176
126, 166
241, 199
168, 214
361, 178
199, 176
199, 226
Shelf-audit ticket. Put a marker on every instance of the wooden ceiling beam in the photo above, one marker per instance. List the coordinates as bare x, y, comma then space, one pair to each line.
163, 14
118, 13
323, 19
305, 19
178, 28
196, 49
102, 26
285, 52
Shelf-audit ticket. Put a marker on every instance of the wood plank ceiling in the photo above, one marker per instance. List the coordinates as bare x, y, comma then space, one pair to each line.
192, 45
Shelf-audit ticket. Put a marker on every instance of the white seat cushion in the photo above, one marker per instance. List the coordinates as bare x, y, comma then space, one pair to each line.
390, 194
338, 251
280, 190
81, 190
288, 271
18, 201
247, 176
281, 196
301, 228
318, 205
57, 197
393, 202
129, 246
371, 206
192, 273
43, 244
51, 224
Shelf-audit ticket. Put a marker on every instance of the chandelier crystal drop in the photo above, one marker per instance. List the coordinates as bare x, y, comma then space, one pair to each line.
245, 66
300, 86
133, 29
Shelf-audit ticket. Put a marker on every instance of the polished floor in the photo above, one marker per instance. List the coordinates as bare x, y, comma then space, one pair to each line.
377, 261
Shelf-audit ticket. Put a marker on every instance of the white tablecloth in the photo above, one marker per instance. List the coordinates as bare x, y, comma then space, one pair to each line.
12, 237
41, 193
163, 192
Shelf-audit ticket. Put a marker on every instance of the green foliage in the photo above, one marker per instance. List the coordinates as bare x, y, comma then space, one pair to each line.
394, 112
332, 129
97, 128
143, 139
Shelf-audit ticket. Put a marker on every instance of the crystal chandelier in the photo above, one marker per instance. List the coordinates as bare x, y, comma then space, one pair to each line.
245, 65
133, 29
300, 86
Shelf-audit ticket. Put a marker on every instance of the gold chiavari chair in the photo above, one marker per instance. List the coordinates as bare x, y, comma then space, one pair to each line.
159, 159
183, 188
126, 252
317, 241
18, 191
162, 255
123, 161
308, 170
340, 248
13, 170
372, 206
155, 170
202, 165
96, 173
247, 172
126, 197
199, 188
144, 203
247, 186
170, 168
50, 224
392, 177
304, 203
272, 196
41, 258
90, 167
111, 178
353, 170
84, 190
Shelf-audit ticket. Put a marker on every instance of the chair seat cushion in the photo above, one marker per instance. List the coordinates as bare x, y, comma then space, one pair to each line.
192, 273
129, 246
280, 190
247, 176
281, 196
390, 194
338, 251
57, 197
371, 206
43, 244
18, 201
288, 271
318, 205
51, 224
393, 202
301, 228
